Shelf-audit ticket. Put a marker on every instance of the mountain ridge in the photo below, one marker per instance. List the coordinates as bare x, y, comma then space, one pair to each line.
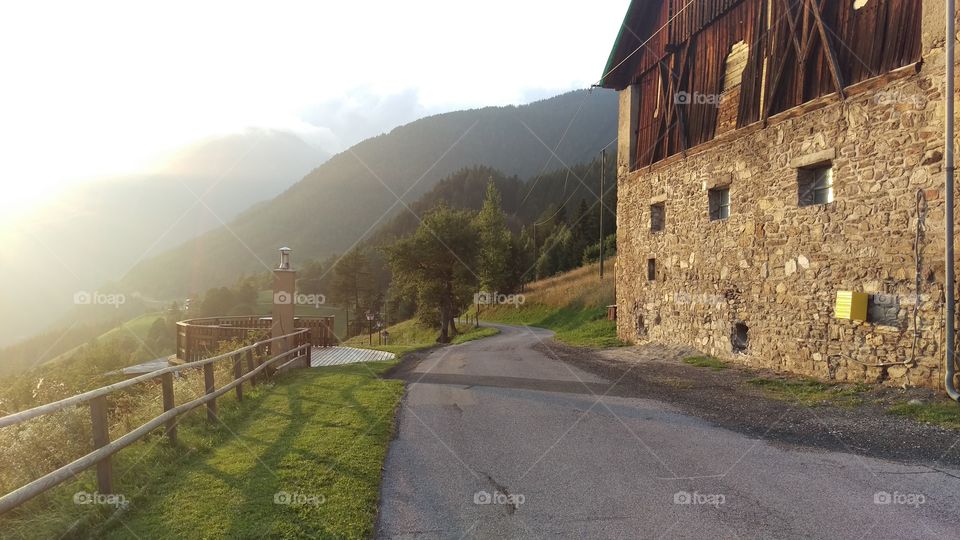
340, 202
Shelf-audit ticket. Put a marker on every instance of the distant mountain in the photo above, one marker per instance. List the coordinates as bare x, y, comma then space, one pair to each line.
341, 202
95, 232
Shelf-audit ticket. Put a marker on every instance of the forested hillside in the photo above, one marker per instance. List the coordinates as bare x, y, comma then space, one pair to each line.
343, 201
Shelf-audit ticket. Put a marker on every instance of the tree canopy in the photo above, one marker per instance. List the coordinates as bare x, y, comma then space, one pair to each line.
437, 266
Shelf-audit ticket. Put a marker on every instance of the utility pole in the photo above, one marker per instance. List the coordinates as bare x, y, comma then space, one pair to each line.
603, 166
536, 253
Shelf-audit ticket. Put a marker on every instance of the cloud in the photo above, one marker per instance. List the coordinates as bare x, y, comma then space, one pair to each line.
362, 113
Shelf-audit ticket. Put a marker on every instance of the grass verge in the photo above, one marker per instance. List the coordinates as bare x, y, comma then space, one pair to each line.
410, 335
318, 435
941, 413
811, 392
573, 305
706, 362
575, 325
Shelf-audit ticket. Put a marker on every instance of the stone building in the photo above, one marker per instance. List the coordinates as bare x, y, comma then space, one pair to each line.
773, 153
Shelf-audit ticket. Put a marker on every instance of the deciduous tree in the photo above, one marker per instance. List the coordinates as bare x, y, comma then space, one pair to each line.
436, 265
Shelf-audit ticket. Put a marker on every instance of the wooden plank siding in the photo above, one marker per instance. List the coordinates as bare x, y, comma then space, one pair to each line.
799, 50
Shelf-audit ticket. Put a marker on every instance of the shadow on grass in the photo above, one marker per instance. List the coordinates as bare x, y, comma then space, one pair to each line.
318, 439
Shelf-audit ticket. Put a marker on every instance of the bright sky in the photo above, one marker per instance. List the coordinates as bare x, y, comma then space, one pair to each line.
93, 88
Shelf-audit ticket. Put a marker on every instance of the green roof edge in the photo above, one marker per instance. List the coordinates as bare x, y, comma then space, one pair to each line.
616, 44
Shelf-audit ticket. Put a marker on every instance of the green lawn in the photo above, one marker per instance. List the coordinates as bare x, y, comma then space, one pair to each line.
319, 435
318, 439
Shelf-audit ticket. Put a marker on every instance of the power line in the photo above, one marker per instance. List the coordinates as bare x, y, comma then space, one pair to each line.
644, 44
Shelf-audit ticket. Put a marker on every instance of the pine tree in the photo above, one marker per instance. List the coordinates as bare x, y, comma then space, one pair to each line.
494, 243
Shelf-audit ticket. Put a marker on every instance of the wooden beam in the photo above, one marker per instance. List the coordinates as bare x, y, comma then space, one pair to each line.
828, 47
775, 85
793, 26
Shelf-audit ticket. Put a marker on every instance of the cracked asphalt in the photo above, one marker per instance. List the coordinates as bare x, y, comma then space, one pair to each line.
514, 436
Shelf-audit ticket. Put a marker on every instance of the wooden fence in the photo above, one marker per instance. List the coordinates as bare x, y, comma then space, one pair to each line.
199, 338
97, 399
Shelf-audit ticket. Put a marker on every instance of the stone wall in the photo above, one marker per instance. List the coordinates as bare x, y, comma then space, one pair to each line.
776, 267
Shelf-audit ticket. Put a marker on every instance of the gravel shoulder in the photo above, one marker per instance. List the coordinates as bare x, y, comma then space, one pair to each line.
726, 399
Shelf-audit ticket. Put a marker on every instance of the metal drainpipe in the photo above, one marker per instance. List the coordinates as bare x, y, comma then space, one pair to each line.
948, 157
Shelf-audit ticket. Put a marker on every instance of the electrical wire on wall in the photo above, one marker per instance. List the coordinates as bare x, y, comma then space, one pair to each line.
918, 284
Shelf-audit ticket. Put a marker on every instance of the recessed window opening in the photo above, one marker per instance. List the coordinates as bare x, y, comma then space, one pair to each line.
658, 217
740, 337
719, 203
815, 185
651, 269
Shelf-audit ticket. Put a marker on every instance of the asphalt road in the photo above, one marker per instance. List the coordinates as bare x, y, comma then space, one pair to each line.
499, 440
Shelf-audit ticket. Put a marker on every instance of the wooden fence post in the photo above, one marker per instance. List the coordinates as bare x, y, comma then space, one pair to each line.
237, 373
250, 367
208, 383
101, 438
166, 381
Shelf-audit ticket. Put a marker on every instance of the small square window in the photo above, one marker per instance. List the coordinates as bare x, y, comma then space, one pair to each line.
651, 269
719, 203
815, 185
658, 217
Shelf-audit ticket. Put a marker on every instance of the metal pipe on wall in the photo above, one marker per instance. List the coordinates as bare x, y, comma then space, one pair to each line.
950, 284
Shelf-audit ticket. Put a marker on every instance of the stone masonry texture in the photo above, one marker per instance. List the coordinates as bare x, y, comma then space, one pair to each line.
774, 267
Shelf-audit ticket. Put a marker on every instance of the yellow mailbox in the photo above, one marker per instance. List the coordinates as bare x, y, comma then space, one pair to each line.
851, 305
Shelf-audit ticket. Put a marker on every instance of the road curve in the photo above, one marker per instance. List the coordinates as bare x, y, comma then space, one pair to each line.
498, 440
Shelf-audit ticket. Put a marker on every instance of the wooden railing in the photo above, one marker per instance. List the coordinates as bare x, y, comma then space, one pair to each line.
199, 338
104, 448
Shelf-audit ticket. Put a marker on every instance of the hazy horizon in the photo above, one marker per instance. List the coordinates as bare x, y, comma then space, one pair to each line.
129, 93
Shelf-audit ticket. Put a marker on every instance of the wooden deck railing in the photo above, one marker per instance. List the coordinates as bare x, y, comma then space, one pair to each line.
199, 338
104, 448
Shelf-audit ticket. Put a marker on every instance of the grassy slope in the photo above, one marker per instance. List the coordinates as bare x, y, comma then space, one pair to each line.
410, 336
311, 432
139, 326
572, 304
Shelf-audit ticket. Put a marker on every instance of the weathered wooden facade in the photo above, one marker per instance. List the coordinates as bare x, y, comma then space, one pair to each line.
773, 154
674, 51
